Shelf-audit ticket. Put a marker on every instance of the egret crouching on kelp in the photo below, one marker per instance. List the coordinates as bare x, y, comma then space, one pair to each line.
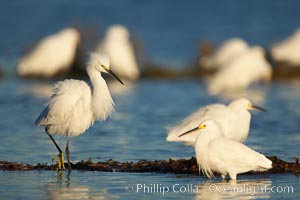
216, 153
233, 118
74, 105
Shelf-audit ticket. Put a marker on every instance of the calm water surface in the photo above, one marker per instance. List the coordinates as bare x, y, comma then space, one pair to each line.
137, 131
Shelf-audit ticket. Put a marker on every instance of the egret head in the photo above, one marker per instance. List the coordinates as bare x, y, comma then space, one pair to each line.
100, 61
209, 125
244, 104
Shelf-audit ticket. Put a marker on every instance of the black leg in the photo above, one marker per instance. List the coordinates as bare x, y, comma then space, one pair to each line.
58, 148
60, 164
68, 154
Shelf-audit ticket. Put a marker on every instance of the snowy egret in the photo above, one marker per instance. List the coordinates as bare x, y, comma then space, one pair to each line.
288, 50
216, 153
234, 120
74, 105
53, 55
118, 47
227, 51
241, 72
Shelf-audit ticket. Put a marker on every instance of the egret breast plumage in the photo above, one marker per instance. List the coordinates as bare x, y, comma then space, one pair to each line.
74, 105
216, 153
69, 96
233, 118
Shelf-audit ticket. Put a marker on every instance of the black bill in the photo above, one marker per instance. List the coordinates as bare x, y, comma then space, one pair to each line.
115, 76
194, 129
259, 108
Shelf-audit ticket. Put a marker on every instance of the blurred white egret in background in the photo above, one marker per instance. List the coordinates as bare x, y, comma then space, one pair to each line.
216, 153
248, 68
118, 47
74, 105
257, 94
234, 120
228, 50
288, 50
52, 55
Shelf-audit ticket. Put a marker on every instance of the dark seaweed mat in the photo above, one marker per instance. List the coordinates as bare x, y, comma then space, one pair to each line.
181, 166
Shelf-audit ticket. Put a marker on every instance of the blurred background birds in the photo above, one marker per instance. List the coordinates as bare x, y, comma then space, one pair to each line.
248, 68
52, 56
288, 50
117, 45
228, 50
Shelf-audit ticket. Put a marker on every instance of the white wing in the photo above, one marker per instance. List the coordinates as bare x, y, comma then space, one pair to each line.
69, 110
191, 122
230, 155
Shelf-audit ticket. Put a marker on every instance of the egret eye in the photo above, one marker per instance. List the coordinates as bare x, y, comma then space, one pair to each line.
202, 126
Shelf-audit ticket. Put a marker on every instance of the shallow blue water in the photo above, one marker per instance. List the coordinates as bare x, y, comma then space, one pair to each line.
138, 128
102, 185
137, 131
171, 32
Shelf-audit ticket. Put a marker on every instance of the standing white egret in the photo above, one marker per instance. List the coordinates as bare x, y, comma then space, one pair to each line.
118, 47
234, 120
74, 105
216, 153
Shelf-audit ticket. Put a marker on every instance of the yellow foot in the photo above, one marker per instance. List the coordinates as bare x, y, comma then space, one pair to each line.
60, 161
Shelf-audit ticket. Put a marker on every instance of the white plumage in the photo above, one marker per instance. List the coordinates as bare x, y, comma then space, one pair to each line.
234, 120
69, 112
241, 72
227, 51
74, 105
216, 153
118, 47
54, 54
288, 50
